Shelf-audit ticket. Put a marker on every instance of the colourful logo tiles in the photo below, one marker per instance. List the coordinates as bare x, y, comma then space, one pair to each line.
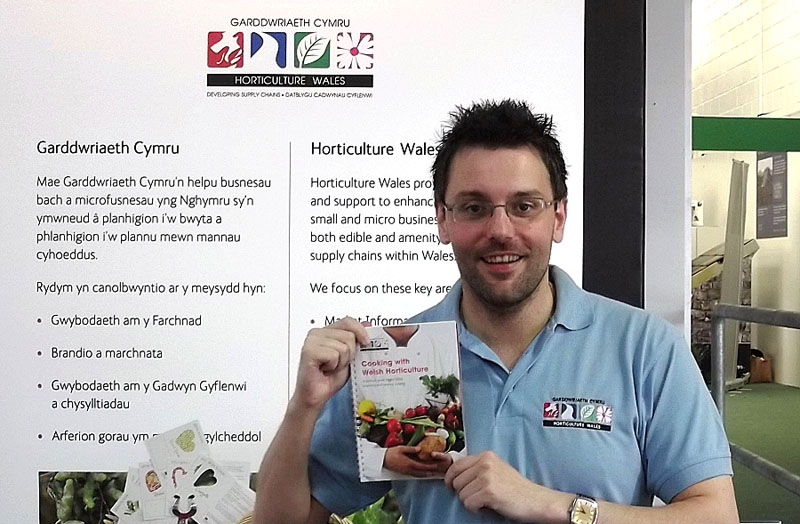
310, 50
594, 415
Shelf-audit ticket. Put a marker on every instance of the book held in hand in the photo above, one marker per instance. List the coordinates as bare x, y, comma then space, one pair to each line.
407, 395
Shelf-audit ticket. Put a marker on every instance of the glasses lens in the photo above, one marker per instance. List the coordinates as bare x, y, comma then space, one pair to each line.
525, 208
471, 211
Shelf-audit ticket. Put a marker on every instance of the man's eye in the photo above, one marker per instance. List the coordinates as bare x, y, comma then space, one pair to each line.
525, 206
473, 208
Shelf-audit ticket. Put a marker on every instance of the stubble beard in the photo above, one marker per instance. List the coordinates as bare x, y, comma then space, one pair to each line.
503, 302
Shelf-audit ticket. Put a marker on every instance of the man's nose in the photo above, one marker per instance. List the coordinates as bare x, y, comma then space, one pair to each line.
499, 224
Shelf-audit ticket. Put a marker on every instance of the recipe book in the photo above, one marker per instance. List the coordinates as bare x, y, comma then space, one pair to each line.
406, 386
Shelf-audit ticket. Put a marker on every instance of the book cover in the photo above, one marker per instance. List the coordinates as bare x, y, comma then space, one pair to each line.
406, 394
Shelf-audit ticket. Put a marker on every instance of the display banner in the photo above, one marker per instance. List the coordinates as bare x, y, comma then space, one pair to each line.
771, 201
189, 188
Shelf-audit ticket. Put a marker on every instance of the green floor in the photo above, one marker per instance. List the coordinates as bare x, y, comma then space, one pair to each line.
765, 419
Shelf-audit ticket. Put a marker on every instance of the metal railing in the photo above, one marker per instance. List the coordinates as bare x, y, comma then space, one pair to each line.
773, 317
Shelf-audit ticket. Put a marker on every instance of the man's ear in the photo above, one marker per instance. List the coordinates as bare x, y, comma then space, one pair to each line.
441, 219
560, 221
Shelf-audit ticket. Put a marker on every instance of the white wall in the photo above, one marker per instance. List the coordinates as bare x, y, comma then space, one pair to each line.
746, 62
746, 57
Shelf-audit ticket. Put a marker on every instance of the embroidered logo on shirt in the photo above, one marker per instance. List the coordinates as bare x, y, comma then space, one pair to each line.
604, 414
587, 412
581, 413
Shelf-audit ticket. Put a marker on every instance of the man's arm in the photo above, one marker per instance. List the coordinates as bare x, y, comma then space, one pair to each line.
486, 481
710, 501
284, 492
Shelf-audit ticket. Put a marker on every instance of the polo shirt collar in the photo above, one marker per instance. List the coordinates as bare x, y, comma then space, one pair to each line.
574, 308
450, 306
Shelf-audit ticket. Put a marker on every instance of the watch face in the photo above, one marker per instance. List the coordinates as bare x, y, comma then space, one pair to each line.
584, 512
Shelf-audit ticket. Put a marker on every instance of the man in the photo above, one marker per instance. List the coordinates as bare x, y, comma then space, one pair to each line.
576, 408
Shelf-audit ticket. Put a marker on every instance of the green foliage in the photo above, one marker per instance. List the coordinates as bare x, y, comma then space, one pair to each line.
447, 385
84, 498
372, 514
383, 511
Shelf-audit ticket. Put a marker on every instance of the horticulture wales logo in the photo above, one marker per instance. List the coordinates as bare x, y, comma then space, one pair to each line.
568, 412
320, 53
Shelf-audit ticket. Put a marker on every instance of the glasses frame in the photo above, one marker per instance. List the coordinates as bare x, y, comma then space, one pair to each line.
545, 204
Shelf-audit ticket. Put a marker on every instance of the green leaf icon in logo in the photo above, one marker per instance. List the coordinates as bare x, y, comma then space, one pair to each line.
311, 50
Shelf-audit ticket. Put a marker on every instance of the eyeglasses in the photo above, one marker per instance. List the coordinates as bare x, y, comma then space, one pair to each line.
521, 210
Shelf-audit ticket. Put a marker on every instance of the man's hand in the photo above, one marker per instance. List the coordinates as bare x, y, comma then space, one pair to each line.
325, 361
486, 481
404, 459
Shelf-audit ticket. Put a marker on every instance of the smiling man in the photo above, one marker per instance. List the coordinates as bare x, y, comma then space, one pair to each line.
577, 409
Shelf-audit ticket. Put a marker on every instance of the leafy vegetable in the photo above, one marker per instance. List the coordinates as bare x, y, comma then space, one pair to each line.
447, 385
84, 498
417, 436
382, 511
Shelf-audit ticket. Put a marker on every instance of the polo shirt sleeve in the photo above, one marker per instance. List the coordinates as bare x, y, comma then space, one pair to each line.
681, 434
333, 462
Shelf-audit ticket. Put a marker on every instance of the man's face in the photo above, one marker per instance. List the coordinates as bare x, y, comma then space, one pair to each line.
502, 261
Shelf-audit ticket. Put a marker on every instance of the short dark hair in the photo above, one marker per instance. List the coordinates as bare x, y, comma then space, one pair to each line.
490, 124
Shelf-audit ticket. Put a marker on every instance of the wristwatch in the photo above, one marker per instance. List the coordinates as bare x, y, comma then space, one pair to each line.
583, 510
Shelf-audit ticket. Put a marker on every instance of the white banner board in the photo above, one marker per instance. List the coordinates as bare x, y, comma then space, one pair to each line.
188, 189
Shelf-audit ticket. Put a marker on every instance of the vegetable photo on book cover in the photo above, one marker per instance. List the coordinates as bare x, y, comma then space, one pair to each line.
406, 395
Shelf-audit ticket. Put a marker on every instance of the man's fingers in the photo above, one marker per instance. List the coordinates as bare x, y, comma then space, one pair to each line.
326, 353
342, 335
471, 489
353, 326
319, 344
439, 456
461, 474
333, 347
458, 468
333, 357
473, 501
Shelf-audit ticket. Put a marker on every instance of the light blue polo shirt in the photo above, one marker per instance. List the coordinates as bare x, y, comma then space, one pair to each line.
606, 401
